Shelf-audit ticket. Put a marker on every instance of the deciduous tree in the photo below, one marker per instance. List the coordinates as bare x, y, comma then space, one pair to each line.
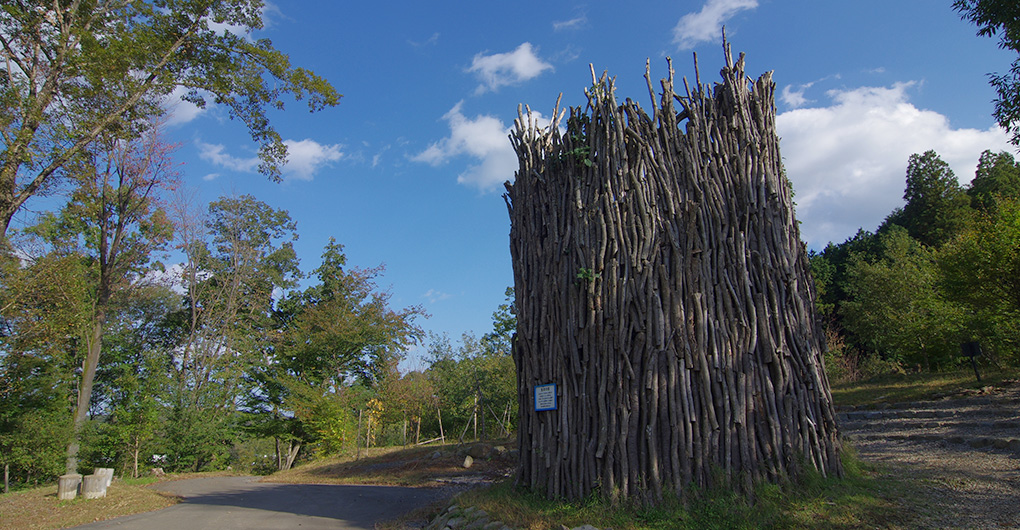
982, 271
74, 70
897, 307
115, 221
1000, 18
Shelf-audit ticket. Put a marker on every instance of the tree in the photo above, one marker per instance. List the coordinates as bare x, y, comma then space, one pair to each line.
1002, 18
44, 312
132, 383
896, 305
333, 335
74, 70
982, 272
936, 205
116, 221
997, 178
504, 323
239, 256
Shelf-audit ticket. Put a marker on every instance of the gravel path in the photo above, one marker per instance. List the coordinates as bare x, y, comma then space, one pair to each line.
963, 453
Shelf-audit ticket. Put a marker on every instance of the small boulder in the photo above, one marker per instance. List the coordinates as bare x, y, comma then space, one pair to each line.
468, 461
480, 451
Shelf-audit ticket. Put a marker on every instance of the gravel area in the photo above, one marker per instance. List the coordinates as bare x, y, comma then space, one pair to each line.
962, 453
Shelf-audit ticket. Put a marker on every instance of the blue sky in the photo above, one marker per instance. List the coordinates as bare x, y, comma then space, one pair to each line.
407, 171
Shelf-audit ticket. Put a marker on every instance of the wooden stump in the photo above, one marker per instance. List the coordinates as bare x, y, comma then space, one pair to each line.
662, 286
107, 474
67, 486
93, 486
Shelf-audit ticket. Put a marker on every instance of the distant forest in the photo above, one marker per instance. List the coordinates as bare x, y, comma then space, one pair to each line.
942, 270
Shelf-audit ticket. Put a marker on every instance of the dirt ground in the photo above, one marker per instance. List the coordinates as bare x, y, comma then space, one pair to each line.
962, 453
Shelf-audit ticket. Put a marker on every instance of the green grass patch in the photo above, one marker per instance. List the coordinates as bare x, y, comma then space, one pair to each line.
862, 499
894, 388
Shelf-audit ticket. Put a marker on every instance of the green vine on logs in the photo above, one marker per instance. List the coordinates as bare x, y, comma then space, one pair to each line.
587, 275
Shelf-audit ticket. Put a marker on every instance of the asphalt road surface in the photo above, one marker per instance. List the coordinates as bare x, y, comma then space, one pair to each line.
242, 502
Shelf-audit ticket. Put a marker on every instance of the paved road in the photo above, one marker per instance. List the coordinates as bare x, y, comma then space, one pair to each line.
241, 502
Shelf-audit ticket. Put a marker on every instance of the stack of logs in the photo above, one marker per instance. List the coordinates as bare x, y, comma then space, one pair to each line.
662, 285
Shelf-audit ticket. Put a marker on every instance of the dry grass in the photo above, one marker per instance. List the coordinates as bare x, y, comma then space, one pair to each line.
895, 388
395, 466
39, 508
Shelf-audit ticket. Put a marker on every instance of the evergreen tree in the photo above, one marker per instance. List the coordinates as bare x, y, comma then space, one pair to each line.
936, 206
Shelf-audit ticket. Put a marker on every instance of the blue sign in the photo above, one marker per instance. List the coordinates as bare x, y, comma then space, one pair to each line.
545, 397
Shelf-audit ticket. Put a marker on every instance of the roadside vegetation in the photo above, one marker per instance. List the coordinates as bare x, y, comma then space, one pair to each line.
139, 330
38, 508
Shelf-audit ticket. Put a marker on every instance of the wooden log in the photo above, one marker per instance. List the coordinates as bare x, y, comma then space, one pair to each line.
67, 486
661, 283
93, 486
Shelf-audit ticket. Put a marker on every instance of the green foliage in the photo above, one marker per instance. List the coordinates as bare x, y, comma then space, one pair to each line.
937, 208
982, 271
579, 153
475, 381
587, 275
44, 302
343, 327
912, 298
896, 305
328, 344
109, 64
504, 325
1000, 18
196, 439
330, 418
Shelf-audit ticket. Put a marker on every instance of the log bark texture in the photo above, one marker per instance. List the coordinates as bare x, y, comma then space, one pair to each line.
662, 285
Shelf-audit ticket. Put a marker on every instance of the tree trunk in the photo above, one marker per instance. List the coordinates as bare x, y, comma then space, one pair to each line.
279, 454
662, 286
439, 414
88, 376
292, 452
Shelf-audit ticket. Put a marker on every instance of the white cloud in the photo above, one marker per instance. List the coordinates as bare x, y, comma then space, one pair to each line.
216, 154
794, 97
706, 25
484, 138
502, 69
180, 111
848, 161
573, 23
306, 157
434, 296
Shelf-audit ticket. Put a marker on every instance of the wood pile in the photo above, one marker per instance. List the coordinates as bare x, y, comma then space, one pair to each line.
662, 286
